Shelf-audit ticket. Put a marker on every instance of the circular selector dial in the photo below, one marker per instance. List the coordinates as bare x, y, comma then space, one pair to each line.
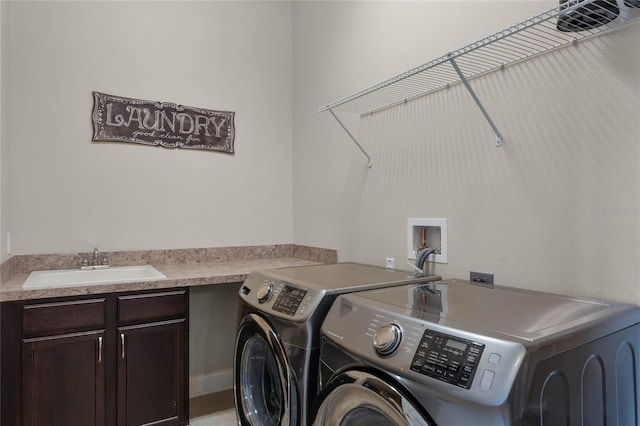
265, 291
387, 339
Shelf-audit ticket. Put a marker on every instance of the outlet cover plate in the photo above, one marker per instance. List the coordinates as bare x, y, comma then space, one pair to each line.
481, 278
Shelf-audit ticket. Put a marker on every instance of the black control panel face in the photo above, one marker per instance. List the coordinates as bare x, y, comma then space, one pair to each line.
447, 358
289, 300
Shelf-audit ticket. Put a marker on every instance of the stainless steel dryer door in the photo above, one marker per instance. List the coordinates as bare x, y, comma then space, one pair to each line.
358, 398
262, 385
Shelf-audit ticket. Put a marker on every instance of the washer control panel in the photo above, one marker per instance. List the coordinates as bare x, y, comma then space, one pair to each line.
289, 300
432, 352
279, 298
447, 358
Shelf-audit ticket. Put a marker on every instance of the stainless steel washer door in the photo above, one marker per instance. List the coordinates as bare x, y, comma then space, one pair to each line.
357, 398
262, 380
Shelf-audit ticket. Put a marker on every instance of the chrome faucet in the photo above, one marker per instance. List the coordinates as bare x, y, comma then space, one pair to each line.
96, 263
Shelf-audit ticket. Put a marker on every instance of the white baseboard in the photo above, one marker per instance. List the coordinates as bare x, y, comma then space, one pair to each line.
211, 382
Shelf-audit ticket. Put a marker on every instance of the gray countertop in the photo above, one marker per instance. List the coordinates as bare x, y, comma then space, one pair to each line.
189, 272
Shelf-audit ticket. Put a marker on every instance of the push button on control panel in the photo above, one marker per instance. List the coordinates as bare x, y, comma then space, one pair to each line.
487, 379
494, 358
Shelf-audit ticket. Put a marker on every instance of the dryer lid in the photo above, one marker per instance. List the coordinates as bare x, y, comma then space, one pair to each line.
342, 277
521, 313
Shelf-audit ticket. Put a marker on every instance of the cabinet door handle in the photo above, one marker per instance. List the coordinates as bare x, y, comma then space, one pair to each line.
122, 344
99, 349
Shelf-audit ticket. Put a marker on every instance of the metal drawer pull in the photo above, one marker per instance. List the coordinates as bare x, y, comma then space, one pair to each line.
122, 344
99, 349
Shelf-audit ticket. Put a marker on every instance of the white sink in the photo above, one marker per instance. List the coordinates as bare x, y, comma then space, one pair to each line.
84, 277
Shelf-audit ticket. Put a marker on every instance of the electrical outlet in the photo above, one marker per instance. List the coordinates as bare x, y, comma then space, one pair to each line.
481, 278
430, 233
390, 262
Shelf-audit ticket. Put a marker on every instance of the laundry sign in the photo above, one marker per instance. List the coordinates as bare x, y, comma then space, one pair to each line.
119, 119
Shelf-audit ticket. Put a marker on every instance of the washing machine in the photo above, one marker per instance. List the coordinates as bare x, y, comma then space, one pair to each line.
278, 338
454, 353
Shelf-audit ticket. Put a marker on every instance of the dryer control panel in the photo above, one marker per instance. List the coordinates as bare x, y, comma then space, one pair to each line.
281, 299
447, 358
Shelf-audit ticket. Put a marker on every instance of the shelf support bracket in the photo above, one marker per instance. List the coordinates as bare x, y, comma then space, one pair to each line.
352, 137
475, 98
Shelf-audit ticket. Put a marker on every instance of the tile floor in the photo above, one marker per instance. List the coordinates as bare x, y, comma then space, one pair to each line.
214, 409
221, 418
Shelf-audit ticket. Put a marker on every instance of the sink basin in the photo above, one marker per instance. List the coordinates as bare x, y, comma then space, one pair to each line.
84, 277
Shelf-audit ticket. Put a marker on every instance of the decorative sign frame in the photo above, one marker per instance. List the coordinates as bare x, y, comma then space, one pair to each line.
119, 119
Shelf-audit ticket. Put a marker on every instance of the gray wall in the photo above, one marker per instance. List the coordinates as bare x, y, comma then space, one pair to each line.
68, 194
556, 209
4, 126
213, 315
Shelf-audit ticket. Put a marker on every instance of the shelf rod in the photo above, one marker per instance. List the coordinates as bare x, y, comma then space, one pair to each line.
351, 136
476, 99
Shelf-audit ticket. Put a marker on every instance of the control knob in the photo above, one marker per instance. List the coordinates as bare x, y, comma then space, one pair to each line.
265, 291
387, 339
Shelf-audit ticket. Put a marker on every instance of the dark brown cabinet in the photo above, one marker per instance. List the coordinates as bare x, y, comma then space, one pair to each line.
150, 383
115, 359
63, 380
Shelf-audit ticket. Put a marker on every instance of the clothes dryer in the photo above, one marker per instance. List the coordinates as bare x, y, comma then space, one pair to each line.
454, 353
278, 338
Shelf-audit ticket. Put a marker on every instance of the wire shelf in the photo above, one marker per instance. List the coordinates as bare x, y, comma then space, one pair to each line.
526, 39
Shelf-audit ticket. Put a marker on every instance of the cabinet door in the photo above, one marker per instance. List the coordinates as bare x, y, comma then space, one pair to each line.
63, 380
152, 373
